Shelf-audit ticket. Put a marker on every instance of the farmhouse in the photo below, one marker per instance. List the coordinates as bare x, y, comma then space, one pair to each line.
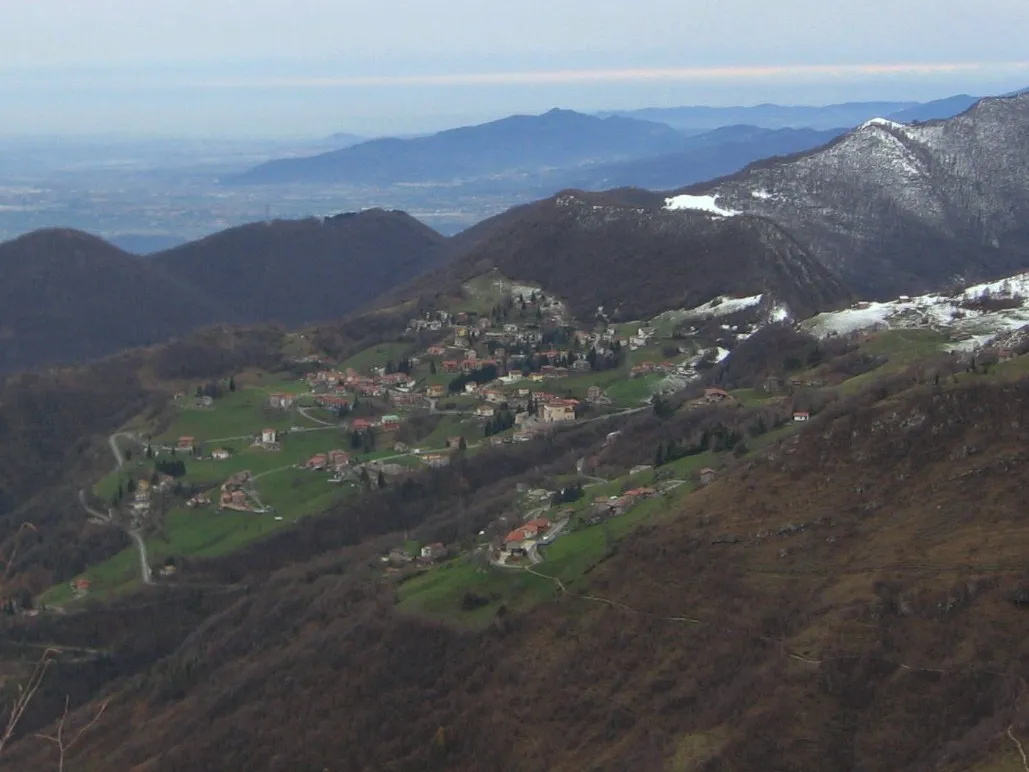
560, 411
707, 475
269, 436
186, 444
220, 454
801, 416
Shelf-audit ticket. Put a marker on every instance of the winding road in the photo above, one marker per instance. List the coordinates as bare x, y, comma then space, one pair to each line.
108, 519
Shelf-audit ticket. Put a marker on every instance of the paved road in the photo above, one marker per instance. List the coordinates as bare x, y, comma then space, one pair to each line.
309, 417
119, 459
108, 519
144, 562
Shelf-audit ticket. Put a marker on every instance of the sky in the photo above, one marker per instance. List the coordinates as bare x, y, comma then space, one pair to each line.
313, 67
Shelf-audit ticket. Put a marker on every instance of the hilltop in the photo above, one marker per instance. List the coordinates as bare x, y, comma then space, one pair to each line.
68, 296
625, 252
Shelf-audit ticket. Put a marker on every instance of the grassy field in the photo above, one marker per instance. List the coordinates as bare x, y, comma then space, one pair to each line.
633, 392
378, 356
442, 590
242, 413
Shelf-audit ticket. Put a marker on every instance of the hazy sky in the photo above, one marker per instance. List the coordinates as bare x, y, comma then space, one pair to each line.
279, 67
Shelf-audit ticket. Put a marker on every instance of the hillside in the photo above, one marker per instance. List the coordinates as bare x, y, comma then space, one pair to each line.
68, 296
893, 209
513, 145
299, 271
809, 609
705, 156
623, 251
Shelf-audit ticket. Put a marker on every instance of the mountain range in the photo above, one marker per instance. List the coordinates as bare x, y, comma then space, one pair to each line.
882, 210
656, 148
513, 145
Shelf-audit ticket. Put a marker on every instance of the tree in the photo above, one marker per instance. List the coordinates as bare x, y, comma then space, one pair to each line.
232, 383
382, 479
366, 480
463, 444
659, 455
432, 367
131, 485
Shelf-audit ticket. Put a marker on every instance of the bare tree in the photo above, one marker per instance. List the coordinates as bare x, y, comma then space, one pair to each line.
24, 696
61, 740
28, 690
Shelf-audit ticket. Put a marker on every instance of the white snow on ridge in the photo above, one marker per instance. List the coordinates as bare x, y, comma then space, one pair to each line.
956, 314
707, 204
722, 306
761, 195
883, 122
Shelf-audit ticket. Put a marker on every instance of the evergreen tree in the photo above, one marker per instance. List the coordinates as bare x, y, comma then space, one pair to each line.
659, 456
432, 368
463, 444
382, 479
232, 383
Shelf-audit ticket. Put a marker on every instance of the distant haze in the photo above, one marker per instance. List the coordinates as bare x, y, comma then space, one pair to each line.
310, 67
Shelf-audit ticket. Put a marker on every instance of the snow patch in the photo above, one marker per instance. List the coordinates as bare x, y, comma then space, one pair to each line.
707, 204
722, 354
761, 195
722, 306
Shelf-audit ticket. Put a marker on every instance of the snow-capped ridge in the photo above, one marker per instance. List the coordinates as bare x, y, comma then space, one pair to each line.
975, 315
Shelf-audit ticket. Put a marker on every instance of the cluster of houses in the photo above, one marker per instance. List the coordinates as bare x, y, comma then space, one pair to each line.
233, 496
398, 557
613, 506
522, 539
335, 461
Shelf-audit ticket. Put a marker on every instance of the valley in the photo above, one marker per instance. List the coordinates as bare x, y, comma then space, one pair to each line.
725, 477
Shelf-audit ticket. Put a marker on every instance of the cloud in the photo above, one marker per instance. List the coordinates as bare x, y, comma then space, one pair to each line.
625, 75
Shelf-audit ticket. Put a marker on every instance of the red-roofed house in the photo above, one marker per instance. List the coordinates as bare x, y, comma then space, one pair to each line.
360, 425
716, 395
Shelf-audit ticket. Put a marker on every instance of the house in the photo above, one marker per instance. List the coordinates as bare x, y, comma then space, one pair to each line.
269, 436
593, 394
716, 395
317, 462
484, 411
389, 422
400, 447
707, 475
186, 444
80, 586
536, 377
167, 570
559, 411
200, 500
582, 365
436, 460
436, 390
338, 458
451, 365
434, 551
471, 388
436, 351
495, 396
360, 425
220, 454
204, 401
142, 491
405, 399
540, 525
801, 416
280, 401
454, 442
